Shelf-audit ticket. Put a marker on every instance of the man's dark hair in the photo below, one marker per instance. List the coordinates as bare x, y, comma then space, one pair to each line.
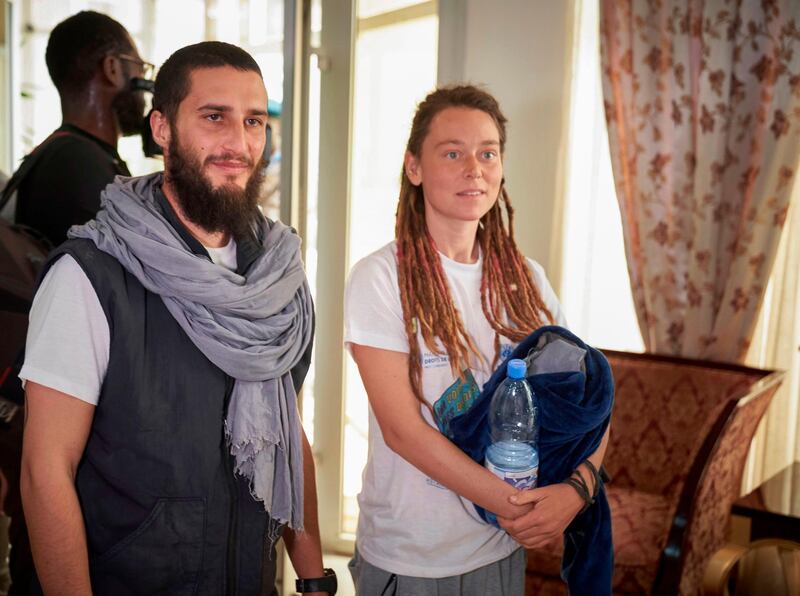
78, 44
172, 82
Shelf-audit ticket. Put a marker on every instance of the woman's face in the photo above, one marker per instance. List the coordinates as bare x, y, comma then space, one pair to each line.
459, 166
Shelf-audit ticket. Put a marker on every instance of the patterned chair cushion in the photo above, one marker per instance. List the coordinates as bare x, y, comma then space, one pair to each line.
640, 524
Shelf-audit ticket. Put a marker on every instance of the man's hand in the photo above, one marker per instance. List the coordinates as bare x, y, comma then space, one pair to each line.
554, 508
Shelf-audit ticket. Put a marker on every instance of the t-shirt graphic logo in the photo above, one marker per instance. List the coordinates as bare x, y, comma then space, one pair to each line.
431, 360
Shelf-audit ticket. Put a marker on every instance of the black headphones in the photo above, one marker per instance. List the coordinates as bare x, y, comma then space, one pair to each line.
139, 84
149, 146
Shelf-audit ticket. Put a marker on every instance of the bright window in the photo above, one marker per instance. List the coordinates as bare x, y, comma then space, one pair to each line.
395, 68
595, 289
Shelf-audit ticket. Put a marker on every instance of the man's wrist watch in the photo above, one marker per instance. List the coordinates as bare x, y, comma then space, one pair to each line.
326, 583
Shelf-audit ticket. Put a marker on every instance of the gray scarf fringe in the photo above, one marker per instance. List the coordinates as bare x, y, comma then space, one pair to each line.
254, 328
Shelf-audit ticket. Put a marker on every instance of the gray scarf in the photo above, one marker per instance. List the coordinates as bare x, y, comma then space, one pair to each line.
254, 328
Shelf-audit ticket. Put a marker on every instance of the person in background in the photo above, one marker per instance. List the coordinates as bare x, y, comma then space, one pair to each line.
163, 451
428, 316
92, 60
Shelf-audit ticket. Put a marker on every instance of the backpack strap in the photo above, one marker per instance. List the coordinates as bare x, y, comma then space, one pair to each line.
27, 164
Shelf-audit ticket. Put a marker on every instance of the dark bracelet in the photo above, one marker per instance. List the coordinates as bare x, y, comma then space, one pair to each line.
595, 476
579, 484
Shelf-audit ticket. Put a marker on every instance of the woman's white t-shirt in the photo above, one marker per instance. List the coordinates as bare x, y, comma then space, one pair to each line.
409, 524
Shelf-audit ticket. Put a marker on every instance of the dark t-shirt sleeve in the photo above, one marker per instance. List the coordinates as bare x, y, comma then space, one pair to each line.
64, 186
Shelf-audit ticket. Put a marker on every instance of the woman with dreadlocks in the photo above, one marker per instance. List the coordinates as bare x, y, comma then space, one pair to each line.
429, 316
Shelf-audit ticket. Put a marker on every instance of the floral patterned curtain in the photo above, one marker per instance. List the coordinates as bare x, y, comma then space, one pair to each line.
702, 100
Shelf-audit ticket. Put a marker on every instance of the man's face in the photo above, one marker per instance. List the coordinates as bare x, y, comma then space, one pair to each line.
214, 157
222, 124
129, 105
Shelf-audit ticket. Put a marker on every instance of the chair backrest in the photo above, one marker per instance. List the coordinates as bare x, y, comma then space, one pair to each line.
664, 409
682, 428
712, 488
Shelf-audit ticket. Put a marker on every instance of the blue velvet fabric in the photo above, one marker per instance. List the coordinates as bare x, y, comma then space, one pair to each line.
574, 412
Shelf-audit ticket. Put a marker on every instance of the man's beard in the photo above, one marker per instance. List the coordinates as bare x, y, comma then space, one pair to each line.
227, 208
129, 109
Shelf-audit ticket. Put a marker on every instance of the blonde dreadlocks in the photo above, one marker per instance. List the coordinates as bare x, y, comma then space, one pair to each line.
510, 300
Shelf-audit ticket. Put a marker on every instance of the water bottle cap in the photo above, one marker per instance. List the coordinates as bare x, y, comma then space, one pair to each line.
517, 368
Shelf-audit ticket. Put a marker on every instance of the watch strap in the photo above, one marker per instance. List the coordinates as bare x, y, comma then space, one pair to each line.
326, 583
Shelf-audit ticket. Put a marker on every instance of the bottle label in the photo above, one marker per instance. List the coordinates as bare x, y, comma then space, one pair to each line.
519, 479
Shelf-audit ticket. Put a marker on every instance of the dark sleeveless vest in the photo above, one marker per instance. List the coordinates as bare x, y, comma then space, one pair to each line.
163, 510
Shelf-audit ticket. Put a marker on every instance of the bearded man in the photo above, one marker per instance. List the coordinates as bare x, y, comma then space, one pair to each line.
163, 451
92, 61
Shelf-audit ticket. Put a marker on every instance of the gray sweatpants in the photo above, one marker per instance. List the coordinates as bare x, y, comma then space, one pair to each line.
505, 577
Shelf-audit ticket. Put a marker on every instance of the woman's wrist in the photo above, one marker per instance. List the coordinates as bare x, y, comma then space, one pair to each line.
585, 480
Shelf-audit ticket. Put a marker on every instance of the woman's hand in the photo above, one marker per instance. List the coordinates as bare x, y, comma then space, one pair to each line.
554, 508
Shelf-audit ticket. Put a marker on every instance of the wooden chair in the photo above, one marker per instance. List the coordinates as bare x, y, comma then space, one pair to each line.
680, 433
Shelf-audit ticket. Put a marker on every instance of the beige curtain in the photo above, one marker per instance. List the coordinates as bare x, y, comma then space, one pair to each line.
776, 344
702, 101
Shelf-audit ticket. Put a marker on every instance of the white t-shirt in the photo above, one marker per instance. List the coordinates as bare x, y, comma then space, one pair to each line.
68, 342
409, 524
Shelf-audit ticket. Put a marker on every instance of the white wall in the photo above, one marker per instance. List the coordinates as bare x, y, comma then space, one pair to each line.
520, 50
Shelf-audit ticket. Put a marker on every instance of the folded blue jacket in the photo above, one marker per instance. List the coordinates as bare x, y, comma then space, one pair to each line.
575, 392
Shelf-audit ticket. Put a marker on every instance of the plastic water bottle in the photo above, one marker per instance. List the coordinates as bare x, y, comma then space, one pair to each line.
514, 424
